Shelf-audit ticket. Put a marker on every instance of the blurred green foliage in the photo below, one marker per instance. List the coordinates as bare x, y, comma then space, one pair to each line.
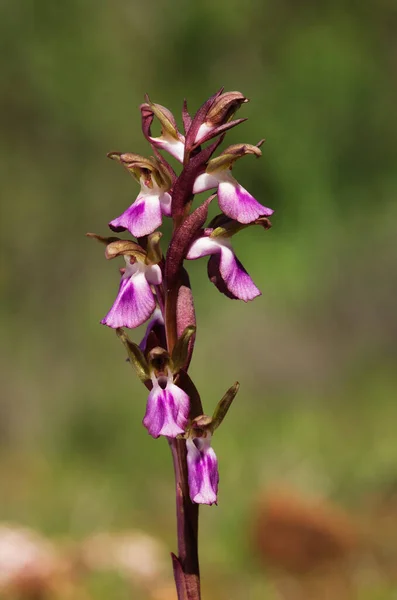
315, 355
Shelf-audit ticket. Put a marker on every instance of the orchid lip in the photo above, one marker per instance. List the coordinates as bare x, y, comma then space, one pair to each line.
224, 268
167, 408
203, 474
135, 301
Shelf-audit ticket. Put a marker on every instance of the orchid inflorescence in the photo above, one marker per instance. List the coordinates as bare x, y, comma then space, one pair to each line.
157, 287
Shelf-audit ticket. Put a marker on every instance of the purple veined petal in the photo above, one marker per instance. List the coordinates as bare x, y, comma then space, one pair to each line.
156, 321
134, 303
141, 218
174, 147
153, 274
203, 475
165, 204
230, 277
205, 182
203, 246
238, 204
167, 410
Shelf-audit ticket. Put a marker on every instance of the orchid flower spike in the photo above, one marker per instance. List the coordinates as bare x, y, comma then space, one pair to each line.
170, 139
202, 465
234, 200
224, 269
136, 299
168, 406
154, 200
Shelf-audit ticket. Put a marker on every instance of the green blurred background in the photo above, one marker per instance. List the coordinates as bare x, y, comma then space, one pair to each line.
315, 354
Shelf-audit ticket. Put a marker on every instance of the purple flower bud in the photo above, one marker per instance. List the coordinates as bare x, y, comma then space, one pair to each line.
225, 270
167, 408
135, 301
202, 467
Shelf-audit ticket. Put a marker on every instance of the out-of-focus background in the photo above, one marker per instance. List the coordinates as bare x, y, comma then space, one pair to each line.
308, 454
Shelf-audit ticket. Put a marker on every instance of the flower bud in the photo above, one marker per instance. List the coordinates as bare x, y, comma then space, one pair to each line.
214, 117
224, 108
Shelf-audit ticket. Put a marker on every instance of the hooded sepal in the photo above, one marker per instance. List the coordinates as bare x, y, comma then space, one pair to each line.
137, 165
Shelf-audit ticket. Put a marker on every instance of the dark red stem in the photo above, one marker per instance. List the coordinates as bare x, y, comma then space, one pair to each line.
186, 565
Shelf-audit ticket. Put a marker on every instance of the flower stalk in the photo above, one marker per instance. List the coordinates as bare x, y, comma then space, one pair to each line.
157, 287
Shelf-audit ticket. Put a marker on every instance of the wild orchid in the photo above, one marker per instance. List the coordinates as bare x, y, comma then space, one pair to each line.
155, 287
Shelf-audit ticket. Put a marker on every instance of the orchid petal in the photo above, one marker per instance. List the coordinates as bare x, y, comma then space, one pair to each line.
134, 303
141, 218
238, 204
233, 276
203, 474
167, 410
